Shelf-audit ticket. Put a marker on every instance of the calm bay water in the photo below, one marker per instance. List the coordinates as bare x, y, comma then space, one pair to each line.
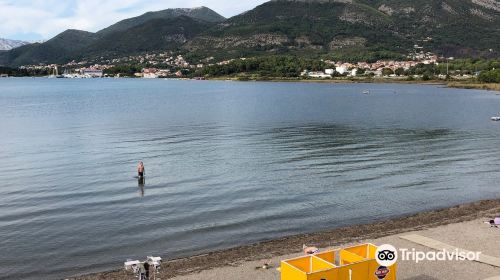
227, 164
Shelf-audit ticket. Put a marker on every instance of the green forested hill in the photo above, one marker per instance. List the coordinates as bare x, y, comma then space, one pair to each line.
451, 27
154, 31
358, 29
201, 13
153, 35
61, 47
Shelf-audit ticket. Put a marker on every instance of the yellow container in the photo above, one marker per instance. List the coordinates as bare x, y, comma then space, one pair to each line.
352, 263
364, 250
329, 256
307, 268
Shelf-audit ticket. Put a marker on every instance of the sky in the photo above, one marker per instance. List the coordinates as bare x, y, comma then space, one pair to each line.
34, 20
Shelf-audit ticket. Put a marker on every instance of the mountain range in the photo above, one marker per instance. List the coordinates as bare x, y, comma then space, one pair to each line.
450, 27
152, 31
461, 28
6, 44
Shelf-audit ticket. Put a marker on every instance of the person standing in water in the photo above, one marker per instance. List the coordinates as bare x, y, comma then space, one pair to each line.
140, 169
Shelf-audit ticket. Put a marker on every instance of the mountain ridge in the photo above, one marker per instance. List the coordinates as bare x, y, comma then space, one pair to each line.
152, 35
8, 44
455, 27
62, 46
74, 44
199, 13
313, 28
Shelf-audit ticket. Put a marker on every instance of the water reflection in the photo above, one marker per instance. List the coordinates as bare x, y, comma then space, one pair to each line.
332, 141
141, 182
234, 163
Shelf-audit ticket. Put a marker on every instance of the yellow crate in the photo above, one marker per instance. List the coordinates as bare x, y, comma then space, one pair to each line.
307, 268
352, 263
364, 250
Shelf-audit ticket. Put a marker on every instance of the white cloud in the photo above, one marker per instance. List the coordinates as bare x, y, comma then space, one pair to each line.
46, 18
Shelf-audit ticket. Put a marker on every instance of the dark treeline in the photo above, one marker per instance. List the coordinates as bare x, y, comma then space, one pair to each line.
18, 72
452, 67
469, 66
292, 66
355, 55
268, 66
483, 69
491, 76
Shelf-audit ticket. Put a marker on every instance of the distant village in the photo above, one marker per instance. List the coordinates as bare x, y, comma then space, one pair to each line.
169, 65
375, 69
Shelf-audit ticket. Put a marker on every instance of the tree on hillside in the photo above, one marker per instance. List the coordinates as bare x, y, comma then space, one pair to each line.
387, 72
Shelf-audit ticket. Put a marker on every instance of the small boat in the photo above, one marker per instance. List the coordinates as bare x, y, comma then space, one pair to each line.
495, 119
366, 92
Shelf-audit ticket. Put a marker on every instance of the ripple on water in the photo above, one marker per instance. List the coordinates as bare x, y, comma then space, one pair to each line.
226, 164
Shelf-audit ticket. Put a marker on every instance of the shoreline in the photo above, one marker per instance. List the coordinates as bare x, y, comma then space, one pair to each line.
482, 86
449, 84
329, 238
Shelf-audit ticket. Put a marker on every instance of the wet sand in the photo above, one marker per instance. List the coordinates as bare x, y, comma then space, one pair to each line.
460, 226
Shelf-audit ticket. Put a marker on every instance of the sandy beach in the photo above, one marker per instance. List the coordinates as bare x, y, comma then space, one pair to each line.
461, 226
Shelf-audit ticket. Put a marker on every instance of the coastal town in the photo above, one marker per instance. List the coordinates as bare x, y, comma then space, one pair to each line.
87, 69
169, 65
375, 69
250, 140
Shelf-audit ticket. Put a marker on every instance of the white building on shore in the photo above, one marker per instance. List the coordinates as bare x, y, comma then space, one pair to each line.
91, 73
316, 74
341, 69
153, 73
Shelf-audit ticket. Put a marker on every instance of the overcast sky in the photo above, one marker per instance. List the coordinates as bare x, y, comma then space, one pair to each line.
42, 19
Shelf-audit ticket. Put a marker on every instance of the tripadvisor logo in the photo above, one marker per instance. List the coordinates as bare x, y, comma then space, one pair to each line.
387, 255
443, 255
